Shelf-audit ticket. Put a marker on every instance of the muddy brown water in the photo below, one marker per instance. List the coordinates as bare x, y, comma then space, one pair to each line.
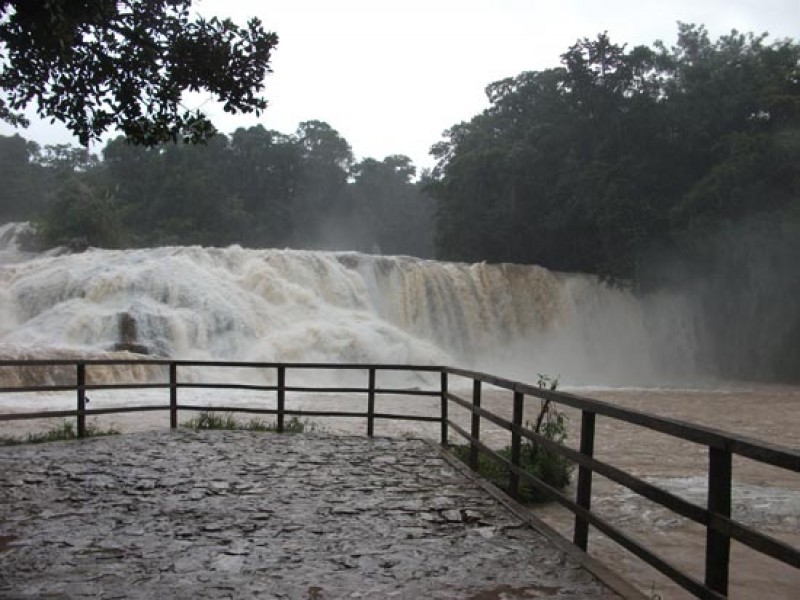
764, 497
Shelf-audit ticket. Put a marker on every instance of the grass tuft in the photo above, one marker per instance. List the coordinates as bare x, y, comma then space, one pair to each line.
211, 420
61, 432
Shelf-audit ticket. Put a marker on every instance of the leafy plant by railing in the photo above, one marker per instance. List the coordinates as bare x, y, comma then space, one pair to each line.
545, 465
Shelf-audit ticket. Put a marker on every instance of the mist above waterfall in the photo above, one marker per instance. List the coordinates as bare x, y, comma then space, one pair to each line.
289, 305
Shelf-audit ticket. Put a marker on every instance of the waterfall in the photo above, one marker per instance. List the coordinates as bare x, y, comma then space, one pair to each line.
291, 305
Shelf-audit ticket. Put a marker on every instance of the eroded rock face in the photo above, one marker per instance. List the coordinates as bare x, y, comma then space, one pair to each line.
238, 514
129, 336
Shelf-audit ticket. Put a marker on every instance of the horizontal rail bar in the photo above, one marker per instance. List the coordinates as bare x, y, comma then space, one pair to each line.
327, 390
485, 377
756, 540
403, 392
60, 362
39, 388
323, 413
122, 386
49, 414
396, 417
304, 365
229, 409
123, 409
486, 414
358, 390
307, 413
459, 430
765, 452
299, 413
227, 386
273, 388
216, 363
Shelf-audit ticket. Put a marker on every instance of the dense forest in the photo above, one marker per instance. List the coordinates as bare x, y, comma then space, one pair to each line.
255, 187
657, 167
663, 167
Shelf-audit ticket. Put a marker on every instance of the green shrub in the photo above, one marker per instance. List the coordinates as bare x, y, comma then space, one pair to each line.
549, 467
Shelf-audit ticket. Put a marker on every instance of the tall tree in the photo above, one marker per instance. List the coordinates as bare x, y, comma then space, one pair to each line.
326, 161
23, 190
265, 168
391, 215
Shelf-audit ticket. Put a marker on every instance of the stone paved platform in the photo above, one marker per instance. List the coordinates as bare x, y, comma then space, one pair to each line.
197, 515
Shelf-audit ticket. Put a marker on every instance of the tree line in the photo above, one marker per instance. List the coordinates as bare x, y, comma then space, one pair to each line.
256, 187
650, 166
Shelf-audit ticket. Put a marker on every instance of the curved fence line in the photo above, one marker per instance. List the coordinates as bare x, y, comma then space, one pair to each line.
715, 516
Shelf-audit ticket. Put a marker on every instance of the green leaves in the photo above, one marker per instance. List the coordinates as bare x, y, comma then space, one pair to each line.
589, 166
96, 65
80, 213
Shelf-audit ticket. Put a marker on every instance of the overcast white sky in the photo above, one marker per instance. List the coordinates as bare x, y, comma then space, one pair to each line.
391, 76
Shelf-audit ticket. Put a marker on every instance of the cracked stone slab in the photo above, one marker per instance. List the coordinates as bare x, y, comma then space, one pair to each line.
187, 514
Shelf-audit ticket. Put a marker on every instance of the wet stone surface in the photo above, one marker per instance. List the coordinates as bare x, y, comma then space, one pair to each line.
190, 514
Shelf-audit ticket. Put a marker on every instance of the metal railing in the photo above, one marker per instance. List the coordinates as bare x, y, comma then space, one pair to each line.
721, 446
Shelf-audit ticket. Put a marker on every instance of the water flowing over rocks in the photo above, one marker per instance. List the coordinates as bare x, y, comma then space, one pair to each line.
190, 514
294, 306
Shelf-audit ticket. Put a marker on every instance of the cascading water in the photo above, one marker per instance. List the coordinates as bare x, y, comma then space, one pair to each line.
289, 305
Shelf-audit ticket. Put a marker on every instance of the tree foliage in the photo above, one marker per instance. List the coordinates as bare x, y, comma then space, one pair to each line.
23, 190
589, 166
256, 187
96, 65
638, 164
80, 216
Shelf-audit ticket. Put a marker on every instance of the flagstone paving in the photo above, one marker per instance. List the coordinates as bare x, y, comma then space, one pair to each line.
219, 514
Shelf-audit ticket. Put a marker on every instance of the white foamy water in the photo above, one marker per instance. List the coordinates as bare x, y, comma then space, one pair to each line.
291, 305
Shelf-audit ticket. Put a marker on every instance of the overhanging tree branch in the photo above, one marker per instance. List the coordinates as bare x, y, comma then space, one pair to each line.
101, 64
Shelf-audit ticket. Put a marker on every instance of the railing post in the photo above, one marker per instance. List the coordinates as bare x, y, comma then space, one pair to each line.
371, 403
718, 545
281, 396
444, 402
81, 387
516, 443
173, 395
476, 424
584, 494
